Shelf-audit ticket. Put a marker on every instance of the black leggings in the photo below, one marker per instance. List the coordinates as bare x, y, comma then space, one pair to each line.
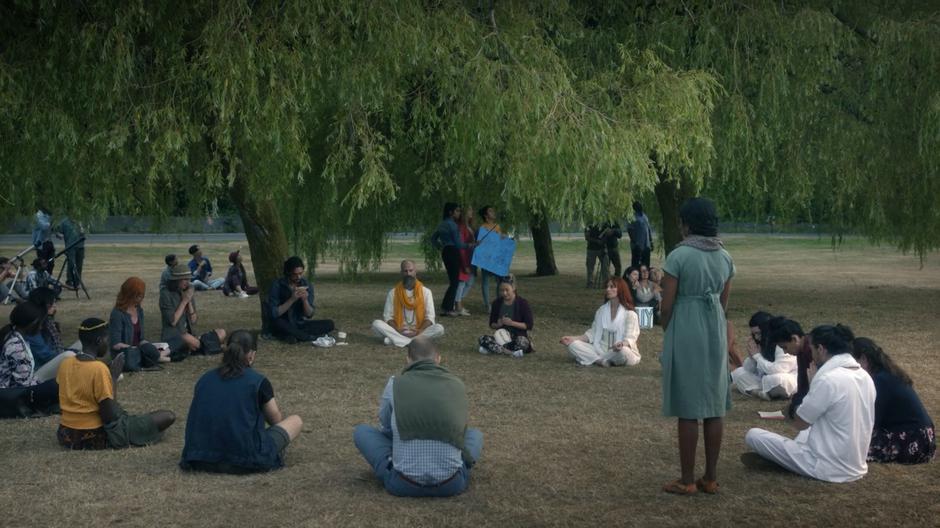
306, 330
23, 402
451, 257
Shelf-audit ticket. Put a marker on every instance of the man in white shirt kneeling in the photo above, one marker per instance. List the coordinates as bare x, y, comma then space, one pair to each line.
409, 311
835, 419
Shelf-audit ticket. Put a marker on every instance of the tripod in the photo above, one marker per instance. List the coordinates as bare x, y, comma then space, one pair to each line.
74, 270
18, 262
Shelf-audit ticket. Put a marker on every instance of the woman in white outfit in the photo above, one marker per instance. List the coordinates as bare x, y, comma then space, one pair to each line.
769, 372
611, 340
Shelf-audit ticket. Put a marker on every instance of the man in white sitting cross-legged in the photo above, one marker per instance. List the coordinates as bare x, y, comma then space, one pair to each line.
409, 311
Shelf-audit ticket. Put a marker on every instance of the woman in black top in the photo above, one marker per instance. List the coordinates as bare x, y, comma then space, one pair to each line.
903, 430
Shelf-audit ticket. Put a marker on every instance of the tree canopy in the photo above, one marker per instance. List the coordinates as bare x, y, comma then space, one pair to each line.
330, 123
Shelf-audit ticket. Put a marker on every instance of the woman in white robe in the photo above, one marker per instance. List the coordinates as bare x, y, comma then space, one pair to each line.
611, 340
760, 375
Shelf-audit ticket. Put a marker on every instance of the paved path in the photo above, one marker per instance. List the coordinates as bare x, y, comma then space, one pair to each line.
135, 238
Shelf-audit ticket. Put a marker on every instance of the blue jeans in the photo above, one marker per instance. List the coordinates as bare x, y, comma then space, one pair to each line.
376, 448
485, 286
212, 284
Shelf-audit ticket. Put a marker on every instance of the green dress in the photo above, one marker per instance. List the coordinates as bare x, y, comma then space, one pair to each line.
695, 344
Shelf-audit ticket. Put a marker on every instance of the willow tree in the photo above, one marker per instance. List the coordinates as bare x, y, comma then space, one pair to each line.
828, 111
326, 123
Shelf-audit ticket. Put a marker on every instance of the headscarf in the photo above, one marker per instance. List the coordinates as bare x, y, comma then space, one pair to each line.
700, 215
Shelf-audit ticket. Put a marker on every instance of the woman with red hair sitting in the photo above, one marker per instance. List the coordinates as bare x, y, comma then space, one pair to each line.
611, 340
126, 328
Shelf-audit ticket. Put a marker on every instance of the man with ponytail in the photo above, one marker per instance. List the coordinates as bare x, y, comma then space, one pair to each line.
835, 419
91, 415
409, 311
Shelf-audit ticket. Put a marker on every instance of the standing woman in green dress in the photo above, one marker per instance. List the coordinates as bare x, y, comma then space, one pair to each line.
696, 285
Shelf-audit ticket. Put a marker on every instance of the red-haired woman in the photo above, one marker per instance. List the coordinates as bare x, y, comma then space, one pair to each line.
126, 328
611, 340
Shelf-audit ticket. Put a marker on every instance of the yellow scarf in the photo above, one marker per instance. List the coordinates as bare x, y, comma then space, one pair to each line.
416, 305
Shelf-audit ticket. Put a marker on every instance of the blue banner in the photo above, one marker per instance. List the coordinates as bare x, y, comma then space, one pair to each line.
494, 253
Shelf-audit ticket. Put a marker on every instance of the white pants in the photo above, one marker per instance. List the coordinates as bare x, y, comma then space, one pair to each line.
586, 354
746, 378
50, 369
791, 454
382, 329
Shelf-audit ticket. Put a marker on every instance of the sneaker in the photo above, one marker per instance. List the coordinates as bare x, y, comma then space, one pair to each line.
484, 351
387, 342
243, 295
518, 354
323, 342
463, 311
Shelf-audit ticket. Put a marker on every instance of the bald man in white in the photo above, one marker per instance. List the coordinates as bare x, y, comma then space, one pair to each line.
409, 311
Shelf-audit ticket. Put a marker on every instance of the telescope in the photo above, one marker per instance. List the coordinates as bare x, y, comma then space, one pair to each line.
68, 247
19, 275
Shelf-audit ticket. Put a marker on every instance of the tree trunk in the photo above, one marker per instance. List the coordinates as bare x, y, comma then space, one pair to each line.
267, 241
671, 193
542, 240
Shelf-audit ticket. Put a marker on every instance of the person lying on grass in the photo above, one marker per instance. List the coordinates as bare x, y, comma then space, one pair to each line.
225, 429
91, 415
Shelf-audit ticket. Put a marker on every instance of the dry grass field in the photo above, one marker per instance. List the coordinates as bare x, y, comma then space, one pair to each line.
564, 446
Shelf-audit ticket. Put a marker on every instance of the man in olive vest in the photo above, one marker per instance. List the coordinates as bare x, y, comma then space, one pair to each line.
424, 447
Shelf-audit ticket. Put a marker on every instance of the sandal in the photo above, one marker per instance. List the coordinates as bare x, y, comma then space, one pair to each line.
707, 486
678, 488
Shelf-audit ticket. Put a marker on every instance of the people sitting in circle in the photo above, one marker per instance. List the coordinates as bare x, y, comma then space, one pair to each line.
24, 389
409, 311
769, 372
45, 344
788, 335
171, 262
46, 253
511, 318
91, 416
632, 278
903, 431
15, 291
835, 419
648, 293
236, 280
225, 428
178, 315
201, 269
423, 447
291, 306
611, 340
40, 277
126, 329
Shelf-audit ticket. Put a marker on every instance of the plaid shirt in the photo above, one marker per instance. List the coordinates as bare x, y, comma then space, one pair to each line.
426, 462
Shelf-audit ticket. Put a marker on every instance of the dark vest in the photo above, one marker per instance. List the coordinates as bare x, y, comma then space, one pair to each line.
225, 424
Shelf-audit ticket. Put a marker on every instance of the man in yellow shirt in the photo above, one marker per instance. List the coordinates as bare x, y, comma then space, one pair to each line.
91, 416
